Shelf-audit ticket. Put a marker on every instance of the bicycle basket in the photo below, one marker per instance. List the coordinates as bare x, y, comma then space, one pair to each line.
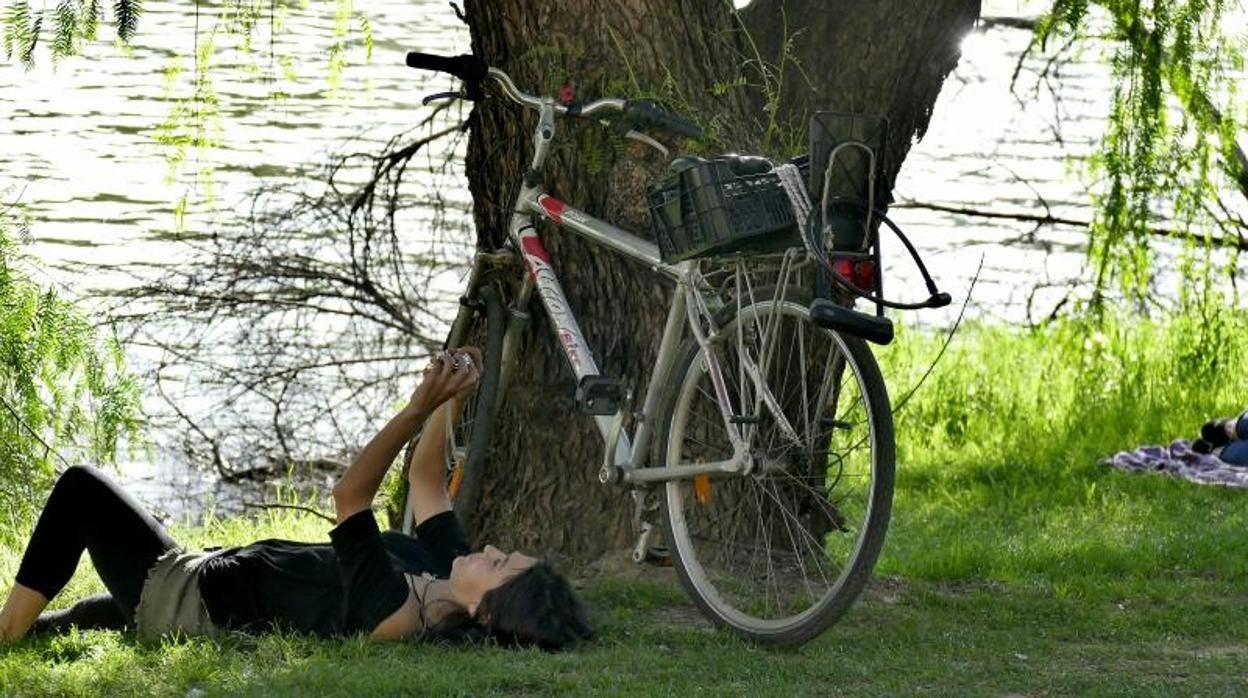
838, 158
707, 210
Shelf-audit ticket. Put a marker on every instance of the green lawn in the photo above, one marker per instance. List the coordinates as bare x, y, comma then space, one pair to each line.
1015, 564
1179, 636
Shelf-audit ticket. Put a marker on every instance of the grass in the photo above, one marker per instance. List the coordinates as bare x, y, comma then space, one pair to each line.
1015, 564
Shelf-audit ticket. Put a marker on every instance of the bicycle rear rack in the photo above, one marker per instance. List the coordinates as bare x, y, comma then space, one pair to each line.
842, 207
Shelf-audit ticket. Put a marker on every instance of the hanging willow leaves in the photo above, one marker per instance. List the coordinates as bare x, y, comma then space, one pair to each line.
65, 395
90, 20
366, 31
127, 13
66, 28
30, 40
1170, 145
194, 122
338, 50
18, 32
71, 21
9, 34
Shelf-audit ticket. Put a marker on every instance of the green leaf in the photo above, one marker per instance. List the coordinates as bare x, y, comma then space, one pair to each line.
30, 41
127, 13
9, 33
91, 20
366, 29
66, 29
64, 393
16, 28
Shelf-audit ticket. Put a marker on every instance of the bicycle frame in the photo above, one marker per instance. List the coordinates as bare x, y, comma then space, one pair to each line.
624, 458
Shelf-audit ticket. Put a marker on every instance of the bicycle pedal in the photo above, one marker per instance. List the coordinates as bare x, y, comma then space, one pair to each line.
643, 551
599, 395
658, 556
744, 419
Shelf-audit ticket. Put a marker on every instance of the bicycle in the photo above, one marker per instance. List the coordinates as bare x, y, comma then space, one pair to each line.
765, 431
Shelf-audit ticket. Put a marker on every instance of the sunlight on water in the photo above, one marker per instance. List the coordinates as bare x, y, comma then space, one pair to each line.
81, 136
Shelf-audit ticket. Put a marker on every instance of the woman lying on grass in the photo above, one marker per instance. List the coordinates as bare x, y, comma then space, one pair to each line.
387, 585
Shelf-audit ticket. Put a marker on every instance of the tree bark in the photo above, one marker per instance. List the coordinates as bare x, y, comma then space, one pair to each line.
881, 57
540, 490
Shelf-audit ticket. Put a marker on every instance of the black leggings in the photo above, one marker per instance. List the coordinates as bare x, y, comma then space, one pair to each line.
87, 511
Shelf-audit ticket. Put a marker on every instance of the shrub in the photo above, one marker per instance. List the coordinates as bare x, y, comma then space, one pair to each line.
65, 396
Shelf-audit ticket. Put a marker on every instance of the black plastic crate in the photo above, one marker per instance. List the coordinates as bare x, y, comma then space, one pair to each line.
707, 210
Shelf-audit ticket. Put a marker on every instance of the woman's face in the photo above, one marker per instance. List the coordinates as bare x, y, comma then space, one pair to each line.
473, 575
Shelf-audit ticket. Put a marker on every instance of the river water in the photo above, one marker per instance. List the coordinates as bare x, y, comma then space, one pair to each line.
78, 144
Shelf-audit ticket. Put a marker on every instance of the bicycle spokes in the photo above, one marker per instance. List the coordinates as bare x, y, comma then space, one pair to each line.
775, 544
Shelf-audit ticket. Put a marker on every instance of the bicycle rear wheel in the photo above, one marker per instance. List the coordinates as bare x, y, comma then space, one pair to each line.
780, 553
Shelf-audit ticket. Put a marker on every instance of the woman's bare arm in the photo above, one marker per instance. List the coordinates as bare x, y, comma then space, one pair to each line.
426, 474
359, 484
356, 488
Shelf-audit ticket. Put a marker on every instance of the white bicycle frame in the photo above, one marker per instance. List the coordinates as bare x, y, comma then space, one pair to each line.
623, 457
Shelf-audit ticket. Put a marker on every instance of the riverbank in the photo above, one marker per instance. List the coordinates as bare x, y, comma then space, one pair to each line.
1014, 563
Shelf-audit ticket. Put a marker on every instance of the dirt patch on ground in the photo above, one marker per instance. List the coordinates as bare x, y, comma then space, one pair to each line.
889, 591
683, 616
618, 564
1214, 652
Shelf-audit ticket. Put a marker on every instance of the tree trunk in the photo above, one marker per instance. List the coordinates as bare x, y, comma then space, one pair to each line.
540, 490
881, 57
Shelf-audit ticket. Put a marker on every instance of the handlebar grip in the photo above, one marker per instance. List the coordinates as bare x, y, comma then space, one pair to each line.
647, 113
467, 67
940, 300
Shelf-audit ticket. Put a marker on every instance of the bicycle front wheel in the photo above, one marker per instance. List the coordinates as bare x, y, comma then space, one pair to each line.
780, 553
483, 324
469, 439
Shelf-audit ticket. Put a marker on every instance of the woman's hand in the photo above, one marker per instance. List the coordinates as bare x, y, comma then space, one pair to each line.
451, 374
474, 358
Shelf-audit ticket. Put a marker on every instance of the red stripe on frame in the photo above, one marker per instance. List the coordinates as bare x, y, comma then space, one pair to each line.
532, 247
553, 207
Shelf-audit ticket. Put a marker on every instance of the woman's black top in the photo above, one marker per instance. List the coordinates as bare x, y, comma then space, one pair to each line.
341, 588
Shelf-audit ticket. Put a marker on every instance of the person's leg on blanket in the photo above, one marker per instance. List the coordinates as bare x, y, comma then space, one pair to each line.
1236, 432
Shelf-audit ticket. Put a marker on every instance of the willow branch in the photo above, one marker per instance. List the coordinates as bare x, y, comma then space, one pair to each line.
1049, 219
295, 507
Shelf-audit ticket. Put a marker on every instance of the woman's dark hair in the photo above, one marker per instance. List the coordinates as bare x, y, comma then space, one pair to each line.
535, 608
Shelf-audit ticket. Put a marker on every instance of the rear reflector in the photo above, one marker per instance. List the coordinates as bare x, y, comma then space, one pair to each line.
860, 272
864, 275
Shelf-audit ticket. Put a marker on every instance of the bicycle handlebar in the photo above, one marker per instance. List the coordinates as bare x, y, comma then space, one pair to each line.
646, 113
474, 73
466, 67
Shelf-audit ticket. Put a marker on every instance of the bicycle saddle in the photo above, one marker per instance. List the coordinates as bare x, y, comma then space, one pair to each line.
739, 164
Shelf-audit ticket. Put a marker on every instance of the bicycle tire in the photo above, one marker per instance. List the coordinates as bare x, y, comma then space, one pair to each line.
474, 431
469, 442
732, 601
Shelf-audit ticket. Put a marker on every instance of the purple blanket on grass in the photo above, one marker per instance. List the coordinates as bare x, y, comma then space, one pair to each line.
1180, 460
